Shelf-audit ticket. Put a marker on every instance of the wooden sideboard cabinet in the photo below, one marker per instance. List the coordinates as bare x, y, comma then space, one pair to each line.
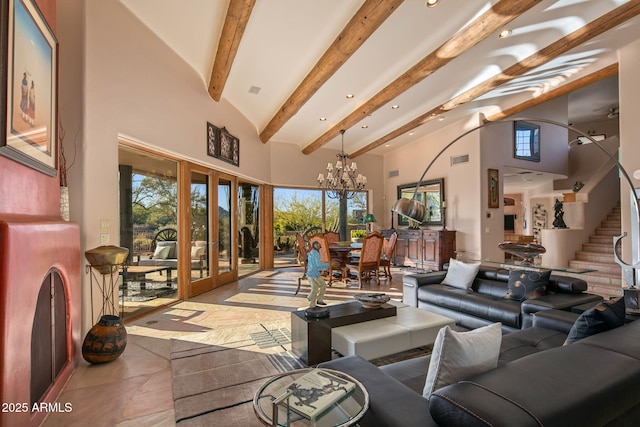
428, 249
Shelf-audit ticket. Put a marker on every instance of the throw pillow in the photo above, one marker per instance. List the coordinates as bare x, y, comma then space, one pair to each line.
196, 252
458, 356
461, 275
527, 284
162, 252
604, 316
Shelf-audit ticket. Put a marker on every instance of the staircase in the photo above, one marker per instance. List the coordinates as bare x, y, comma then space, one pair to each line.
597, 254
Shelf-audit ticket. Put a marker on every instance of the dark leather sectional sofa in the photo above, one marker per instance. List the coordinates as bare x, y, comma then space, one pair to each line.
538, 382
485, 303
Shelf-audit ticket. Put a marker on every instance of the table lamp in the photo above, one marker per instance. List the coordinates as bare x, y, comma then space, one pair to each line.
369, 218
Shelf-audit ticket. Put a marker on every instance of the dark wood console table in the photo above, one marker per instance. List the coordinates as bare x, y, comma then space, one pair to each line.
311, 338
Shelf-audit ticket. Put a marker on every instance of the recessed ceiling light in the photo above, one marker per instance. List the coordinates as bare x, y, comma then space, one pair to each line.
441, 118
395, 107
323, 119
411, 133
504, 34
387, 145
365, 126
350, 95
432, 3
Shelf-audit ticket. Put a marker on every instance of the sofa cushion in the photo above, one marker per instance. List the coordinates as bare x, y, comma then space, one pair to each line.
528, 341
491, 308
527, 284
171, 244
457, 356
604, 316
162, 252
460, 274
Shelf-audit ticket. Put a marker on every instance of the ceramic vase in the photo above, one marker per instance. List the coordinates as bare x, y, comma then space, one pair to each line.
105, 341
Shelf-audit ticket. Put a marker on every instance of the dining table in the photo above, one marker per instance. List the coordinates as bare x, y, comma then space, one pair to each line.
341, 254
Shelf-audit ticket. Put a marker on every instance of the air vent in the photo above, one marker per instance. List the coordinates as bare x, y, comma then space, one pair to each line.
394, 173
456, 160
255, 90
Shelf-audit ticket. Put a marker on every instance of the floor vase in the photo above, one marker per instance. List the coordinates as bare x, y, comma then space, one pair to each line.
105, 341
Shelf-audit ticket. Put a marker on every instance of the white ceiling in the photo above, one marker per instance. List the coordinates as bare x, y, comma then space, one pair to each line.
285, 38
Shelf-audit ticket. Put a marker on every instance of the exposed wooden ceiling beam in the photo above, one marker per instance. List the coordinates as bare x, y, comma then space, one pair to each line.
364, 23
235, 23
493, 19
566, 43
563, 90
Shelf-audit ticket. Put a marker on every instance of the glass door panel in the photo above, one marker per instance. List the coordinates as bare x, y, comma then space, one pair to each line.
225, 239
249, 226
199, 226
149, 229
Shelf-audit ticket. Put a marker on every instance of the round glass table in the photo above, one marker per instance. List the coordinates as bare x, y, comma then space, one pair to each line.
276, 403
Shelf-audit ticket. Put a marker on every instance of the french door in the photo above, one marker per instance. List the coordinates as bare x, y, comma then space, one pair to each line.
211, 227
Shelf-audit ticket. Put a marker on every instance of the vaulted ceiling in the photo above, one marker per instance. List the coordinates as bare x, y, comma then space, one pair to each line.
391, 71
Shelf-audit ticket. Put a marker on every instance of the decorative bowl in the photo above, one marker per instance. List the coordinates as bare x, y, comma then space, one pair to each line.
104, 258
344, 244
372, 301
525, 251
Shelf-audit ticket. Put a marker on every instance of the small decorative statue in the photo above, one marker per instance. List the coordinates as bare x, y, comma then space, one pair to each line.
558, 222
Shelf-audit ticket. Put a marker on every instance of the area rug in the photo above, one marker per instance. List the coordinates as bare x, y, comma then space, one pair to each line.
215, 374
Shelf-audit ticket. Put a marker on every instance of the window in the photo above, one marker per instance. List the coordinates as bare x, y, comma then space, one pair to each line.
526, 142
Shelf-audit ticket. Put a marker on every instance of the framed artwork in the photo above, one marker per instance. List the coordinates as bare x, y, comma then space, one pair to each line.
222, 145
526, 141
31, 83
229, 148
213, 140
493, 178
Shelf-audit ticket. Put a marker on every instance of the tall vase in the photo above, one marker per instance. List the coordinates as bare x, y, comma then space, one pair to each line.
105, 341
64, 203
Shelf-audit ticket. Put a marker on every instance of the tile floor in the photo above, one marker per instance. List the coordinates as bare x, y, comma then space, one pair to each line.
135, 389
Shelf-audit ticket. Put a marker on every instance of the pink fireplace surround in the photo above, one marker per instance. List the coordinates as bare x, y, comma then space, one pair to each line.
31, 247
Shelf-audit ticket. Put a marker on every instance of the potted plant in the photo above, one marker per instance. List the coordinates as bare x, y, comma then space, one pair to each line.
358, 235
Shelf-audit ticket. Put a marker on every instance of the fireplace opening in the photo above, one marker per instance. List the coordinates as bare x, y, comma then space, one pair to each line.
49, 353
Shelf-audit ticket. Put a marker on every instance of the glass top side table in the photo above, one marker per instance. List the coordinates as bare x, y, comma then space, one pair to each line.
344, 412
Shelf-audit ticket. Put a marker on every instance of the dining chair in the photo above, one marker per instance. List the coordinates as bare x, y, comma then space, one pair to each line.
388, 249
325, 254
369, 259
332, 237
302, 258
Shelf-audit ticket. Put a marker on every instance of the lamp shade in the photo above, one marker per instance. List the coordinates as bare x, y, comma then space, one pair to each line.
369, 218
410, 208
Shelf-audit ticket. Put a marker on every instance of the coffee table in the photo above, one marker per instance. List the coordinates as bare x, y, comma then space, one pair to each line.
344, 412
311, 337
410, 328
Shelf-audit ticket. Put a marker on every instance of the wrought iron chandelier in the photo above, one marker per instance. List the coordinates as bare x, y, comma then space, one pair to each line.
342, 180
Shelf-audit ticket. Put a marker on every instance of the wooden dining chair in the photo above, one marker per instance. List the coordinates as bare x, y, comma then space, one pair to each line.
332, 237
369, 259
302, 259
388, 250
325, 254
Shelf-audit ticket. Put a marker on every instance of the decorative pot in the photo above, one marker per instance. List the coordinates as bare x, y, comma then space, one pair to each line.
104, 258
105, 341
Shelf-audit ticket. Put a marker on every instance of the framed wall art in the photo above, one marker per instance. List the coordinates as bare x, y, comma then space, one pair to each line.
229, 148
222, 145
31, 83
213, 140
493, 179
